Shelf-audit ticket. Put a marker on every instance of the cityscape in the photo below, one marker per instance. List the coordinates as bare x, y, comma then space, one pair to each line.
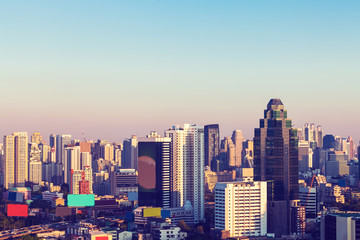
189, 183
179, 120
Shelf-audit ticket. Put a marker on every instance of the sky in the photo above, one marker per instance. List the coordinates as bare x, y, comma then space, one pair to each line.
112, 69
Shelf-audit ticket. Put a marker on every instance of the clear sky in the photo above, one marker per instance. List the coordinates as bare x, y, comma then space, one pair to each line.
117, 68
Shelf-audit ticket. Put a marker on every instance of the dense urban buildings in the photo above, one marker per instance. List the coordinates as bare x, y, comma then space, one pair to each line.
285, 183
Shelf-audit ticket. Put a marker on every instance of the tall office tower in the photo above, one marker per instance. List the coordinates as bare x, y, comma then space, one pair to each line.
188, 167
228, 152
305, 156
344, 146
154, 168
85, 154
212, 143
52, 140
276, 161
8, 161
117, 155
72, 162
44, 152
248, 151
240, 207
329, 141
238, 140
338, 143
107, 152
319, 136
21, 158
35, 171
61, 142
309, 132
36, 138
130, 153
300, 134
319, 158
351, 149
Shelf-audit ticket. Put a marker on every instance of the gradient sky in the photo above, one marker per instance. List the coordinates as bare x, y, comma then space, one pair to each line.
117, 68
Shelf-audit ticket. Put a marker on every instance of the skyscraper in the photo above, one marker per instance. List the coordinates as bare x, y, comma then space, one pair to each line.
8, 161
188, 167
238, 139
276, 161
212, 143
154, 168
130, 153
72, 162
329, 141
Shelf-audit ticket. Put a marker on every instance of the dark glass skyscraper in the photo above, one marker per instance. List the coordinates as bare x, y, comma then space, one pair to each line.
329, 141
276, 161
154, 171
212, 143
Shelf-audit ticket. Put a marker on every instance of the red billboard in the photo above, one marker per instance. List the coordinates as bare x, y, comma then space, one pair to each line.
17, 210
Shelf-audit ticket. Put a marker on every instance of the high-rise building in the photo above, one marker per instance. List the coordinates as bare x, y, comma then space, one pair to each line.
351, 150
241, 208
319, 136
130, 153
228, 152
15, 160
154, 168
62, 141
341, 226
212, 143
276, 161
35, 171
305, 156
8, 161
238, 140
329, 141
36, 138
72, 162
52, 141
188, 167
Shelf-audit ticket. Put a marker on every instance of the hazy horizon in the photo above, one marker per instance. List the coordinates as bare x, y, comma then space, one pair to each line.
114, 69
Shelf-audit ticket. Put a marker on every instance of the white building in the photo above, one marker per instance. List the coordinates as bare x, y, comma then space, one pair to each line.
72, 162
188, 167
35, 171
241, 208
169, 233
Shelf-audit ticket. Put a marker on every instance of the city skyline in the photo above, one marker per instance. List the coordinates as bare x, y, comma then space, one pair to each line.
117, 69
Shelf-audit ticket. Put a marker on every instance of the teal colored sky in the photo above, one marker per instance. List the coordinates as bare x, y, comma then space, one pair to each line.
116, 68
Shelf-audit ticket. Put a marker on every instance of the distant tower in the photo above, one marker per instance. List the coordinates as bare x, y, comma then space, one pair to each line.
130, 153
329, 142
238, 139
212, 143
276, 161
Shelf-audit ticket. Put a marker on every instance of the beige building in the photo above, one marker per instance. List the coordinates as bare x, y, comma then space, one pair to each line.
15, 160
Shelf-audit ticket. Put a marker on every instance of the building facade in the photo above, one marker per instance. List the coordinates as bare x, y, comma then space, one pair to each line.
276, 161
241, 208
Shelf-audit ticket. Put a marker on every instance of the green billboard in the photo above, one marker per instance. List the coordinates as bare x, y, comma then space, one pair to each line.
81, 200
